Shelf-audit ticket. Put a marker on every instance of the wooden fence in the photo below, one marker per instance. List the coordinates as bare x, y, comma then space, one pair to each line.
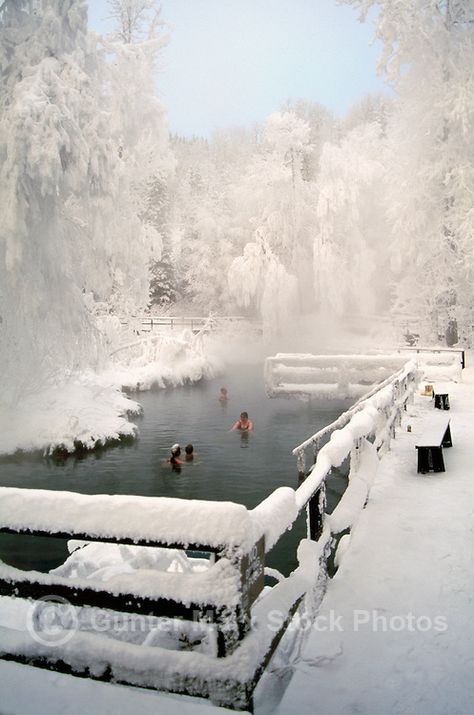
194, 323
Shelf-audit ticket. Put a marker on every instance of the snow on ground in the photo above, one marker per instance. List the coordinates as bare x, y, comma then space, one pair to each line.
78, 410
395, 631
31, 691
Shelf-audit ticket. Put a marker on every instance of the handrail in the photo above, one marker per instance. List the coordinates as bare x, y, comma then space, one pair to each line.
328, 375
135, 519
346, 416
417, 349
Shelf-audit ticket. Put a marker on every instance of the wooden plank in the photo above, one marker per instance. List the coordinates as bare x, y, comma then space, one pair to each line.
72, 536
433, 434
126, 603
252, 575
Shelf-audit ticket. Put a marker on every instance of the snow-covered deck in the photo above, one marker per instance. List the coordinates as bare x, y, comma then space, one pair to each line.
395, 631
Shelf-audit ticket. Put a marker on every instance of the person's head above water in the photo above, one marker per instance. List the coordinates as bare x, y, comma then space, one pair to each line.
223, 394
243, 423
189, 449
175, 450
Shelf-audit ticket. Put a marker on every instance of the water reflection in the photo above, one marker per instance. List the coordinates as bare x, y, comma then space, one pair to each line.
244, 439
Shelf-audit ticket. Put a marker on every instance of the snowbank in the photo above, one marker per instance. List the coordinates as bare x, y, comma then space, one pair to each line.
63, 416
88, 410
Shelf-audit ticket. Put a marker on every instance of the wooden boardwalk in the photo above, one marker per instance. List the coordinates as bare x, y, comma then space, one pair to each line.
395, 630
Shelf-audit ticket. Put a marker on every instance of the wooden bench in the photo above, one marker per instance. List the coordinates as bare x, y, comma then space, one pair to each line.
437, 435
441, 400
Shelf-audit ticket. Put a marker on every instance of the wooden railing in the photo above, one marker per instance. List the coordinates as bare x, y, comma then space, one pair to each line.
363, 434
437, 351
229, 597
327, 376
194, 323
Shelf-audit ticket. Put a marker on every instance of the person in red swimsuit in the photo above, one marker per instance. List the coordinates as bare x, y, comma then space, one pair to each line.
244, 424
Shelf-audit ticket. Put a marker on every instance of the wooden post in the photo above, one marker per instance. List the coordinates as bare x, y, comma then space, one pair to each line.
301, 464
234, 622
315, 513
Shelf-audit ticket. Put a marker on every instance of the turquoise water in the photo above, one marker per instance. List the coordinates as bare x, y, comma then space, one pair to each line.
228, 466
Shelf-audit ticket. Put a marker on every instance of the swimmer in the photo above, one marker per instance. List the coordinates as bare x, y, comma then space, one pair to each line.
244, 424
189, 450
175, 460
223, 396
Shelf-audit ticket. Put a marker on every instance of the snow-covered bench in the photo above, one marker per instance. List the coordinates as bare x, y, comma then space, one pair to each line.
437, 434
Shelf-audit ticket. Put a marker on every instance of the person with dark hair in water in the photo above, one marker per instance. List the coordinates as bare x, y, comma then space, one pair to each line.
189, 453
243, 424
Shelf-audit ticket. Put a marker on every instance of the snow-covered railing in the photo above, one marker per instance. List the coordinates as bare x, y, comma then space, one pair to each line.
150, 323
226, 596
327, 376
361, 433
409, 371
439, 363
223, 529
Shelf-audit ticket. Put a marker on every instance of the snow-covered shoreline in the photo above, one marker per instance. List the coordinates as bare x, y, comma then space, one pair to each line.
89, 410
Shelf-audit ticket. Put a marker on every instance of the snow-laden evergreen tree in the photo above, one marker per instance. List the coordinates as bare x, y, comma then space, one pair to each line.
428, 56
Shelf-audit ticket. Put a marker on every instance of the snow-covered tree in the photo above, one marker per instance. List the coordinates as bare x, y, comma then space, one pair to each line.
428, 56
134, 20
351, 252
208, 224
71, 236
372, 108
281, 205
54, 149
258, 280
323, 127
141, 136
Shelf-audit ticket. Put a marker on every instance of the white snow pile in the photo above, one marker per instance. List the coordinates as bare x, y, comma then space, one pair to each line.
79, 411
160, 360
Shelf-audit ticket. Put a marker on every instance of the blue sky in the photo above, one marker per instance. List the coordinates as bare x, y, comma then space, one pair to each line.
233, 62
